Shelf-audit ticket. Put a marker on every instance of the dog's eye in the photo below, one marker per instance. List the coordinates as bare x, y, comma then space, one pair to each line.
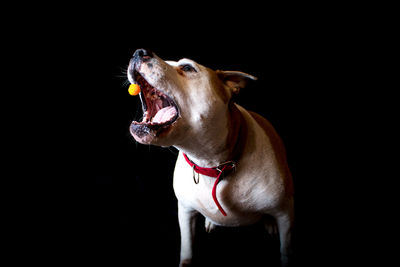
187, 68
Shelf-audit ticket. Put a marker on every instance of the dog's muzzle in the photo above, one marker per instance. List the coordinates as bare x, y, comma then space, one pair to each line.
159, 109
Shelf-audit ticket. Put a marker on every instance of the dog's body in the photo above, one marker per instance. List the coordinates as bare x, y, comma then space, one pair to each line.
193, 111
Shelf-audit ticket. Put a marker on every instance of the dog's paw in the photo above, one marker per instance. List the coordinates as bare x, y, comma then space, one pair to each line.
270, 226
185, 263
272, 229
209, 226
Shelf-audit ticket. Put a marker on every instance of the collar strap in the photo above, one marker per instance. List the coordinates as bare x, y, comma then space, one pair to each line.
215, 172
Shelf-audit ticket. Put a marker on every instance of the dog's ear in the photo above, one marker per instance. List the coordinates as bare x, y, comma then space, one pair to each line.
234, 79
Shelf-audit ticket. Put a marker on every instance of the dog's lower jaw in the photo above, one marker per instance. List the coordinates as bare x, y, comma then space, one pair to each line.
154, 134
142, 133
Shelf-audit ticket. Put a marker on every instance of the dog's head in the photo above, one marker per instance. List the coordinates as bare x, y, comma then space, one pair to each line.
180, 99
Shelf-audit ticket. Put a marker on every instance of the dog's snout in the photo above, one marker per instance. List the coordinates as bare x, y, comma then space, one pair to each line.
142, 54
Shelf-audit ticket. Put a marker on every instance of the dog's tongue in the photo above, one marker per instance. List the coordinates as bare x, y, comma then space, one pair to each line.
165, 114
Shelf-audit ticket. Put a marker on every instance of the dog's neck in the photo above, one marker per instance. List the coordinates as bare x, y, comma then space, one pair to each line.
219, 143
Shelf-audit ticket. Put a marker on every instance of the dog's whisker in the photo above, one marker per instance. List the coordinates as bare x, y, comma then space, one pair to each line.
173, 150
125, 83
124, 74
124, 70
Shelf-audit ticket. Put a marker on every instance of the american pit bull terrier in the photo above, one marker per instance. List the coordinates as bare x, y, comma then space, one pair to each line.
231, 166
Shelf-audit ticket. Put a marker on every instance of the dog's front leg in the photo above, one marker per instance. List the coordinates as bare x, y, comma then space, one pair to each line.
285, 227
187, 225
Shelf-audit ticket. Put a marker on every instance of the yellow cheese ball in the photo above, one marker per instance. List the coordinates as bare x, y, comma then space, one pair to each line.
134, 89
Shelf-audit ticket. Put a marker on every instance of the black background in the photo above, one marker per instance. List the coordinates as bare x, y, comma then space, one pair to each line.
104, 199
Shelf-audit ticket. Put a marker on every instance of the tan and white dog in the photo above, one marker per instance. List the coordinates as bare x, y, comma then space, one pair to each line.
190, 107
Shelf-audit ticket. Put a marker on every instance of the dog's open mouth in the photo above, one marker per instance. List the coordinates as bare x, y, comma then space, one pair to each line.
159, 110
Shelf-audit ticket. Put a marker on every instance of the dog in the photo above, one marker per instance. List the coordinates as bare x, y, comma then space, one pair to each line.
231, 167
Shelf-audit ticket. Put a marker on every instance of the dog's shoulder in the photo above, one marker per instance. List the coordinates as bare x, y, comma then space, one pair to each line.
269, 130
277, 145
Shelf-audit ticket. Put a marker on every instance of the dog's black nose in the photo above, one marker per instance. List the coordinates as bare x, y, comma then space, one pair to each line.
142, 54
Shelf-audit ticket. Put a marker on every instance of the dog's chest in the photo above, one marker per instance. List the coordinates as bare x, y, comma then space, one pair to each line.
233, 197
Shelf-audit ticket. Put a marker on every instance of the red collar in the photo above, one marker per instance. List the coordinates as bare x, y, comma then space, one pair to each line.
215, 172
239, 133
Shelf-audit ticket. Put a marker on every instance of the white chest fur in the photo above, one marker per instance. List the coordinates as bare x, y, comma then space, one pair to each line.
199, 196
245, 195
